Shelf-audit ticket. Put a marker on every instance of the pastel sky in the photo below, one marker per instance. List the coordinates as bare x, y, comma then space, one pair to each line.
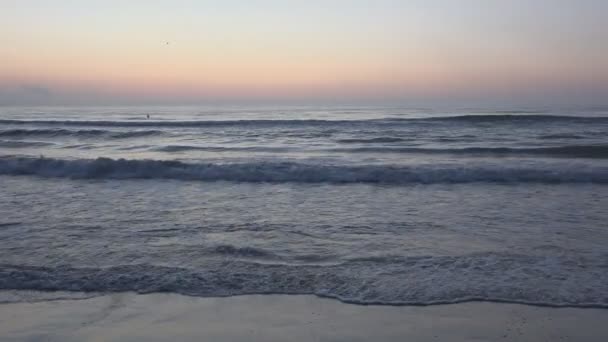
417, 51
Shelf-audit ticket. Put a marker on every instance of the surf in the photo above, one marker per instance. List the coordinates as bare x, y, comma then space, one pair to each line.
295, 172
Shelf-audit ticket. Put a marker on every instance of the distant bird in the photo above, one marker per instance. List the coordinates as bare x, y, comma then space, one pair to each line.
166, 43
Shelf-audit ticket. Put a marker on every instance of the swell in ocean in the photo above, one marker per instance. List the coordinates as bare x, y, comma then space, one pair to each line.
566, 151
425, 280
281, 172
495, 118
82, 133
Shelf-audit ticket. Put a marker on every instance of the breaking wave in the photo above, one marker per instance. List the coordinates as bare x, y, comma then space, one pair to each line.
279, 172
424, 280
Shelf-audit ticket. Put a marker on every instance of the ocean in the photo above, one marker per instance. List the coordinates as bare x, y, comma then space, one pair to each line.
367, 205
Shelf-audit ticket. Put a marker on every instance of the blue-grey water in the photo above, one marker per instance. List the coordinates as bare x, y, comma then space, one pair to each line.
364, 204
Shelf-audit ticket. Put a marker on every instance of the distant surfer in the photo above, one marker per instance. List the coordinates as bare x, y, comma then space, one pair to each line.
148, 116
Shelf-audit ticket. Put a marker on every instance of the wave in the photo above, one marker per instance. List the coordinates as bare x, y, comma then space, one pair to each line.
560, 136
371, 140
510, 118
183, 148
422, 280
520, 111
570, 151
23, 144
250, 252
176, 123
279, 172
520, 118
85, 133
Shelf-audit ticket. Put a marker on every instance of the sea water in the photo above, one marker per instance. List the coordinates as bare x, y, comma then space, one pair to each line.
369, 205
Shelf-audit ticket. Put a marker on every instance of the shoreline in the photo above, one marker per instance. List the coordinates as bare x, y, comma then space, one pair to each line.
149, 317
38, 296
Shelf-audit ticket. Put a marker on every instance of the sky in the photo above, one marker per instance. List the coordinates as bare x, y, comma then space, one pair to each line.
470, 52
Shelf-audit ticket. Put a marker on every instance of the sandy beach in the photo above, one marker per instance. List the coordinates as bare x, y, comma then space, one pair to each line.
161, 317
263, 170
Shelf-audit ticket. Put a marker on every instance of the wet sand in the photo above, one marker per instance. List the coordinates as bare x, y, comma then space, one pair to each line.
162, 317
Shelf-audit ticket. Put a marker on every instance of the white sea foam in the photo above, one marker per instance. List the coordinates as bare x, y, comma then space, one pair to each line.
550, 281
